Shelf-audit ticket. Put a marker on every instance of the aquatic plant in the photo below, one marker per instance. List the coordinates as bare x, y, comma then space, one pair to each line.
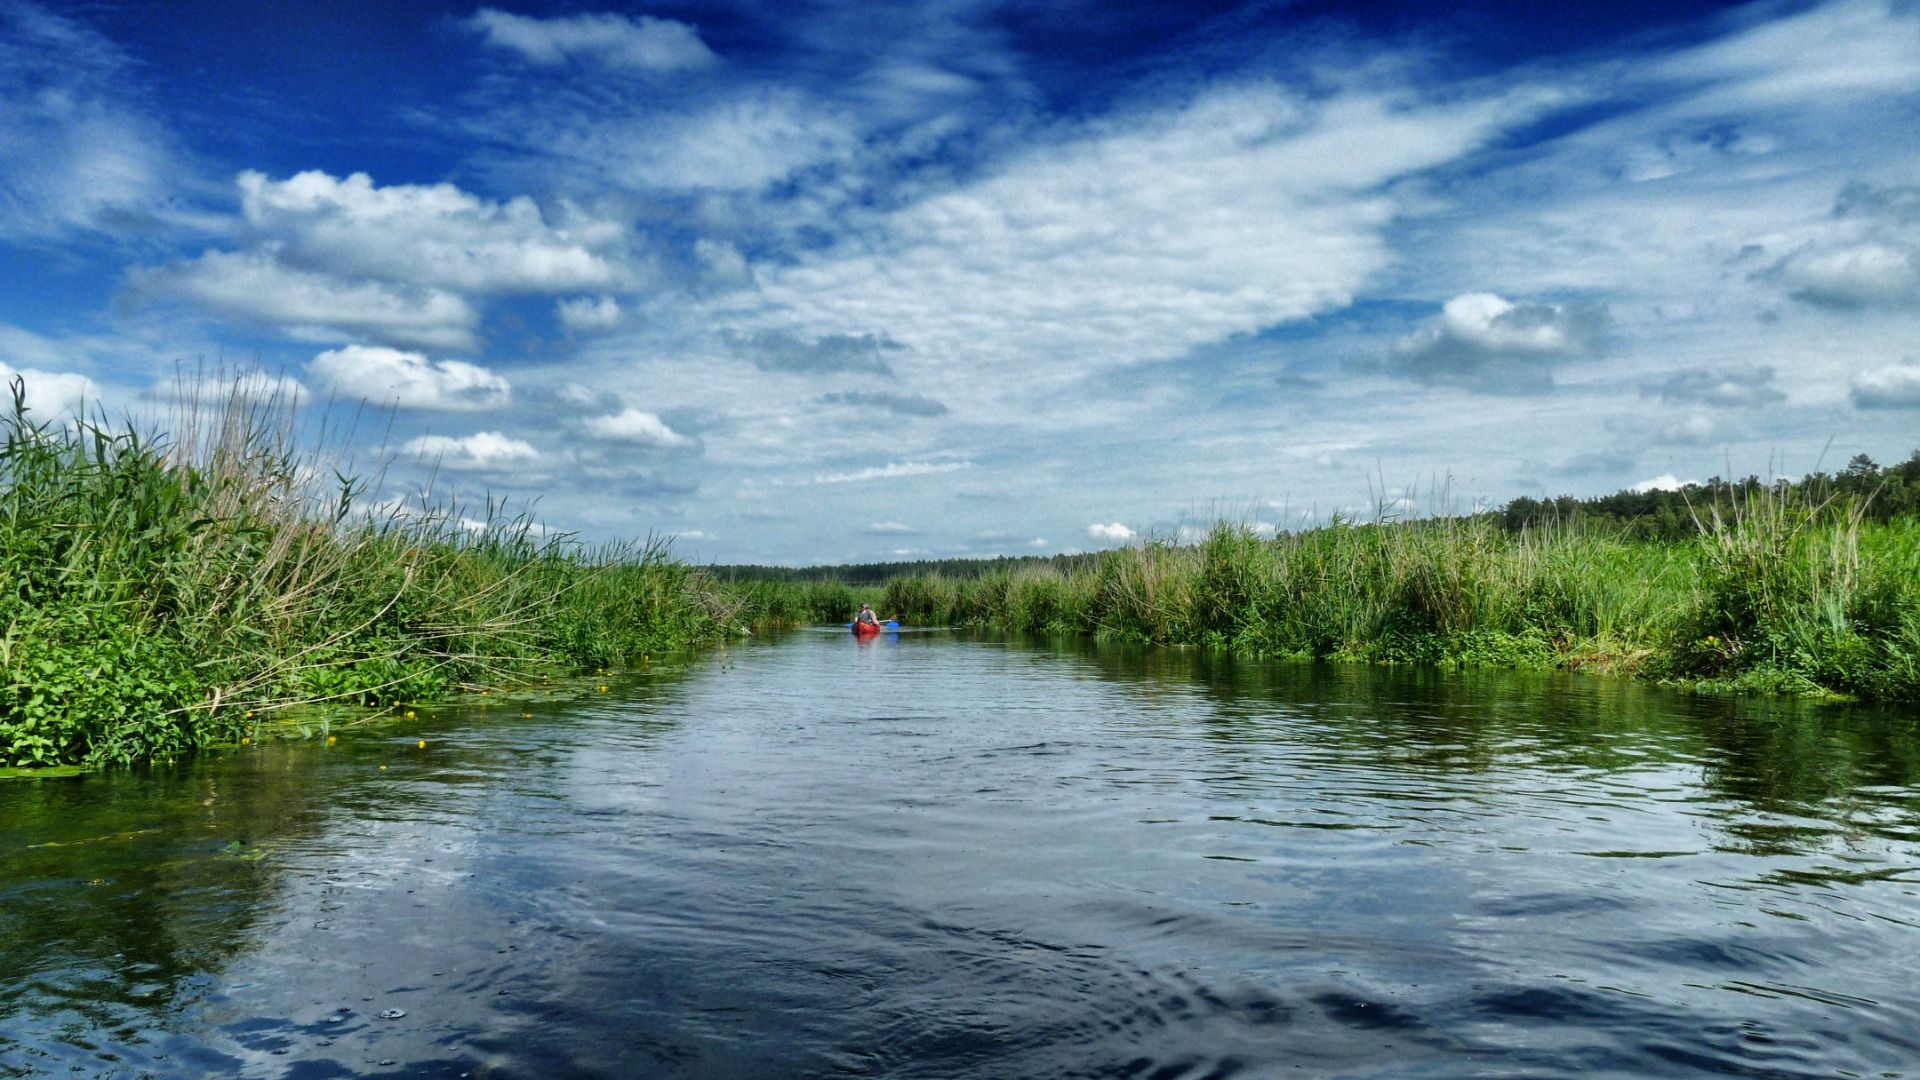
1779, 591
163, 592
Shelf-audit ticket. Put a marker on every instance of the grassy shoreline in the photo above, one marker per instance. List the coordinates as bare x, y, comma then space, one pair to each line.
169, 593
1778, 594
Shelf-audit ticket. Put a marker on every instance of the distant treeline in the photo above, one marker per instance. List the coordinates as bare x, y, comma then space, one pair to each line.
1887, 493
869, 574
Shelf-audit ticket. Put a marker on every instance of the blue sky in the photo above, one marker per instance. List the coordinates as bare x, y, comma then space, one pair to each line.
823, 282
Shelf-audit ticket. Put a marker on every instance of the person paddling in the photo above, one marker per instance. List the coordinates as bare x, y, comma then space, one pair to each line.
866, 616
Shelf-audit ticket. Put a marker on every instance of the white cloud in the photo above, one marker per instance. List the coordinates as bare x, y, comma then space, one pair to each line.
890, 527
894, 471
1822, 56
1894, 387
1663, 482
585, 314
408, 379
741, 143
1140, 237
1112, 532
253, 287
75, 153
634, 426
428, 235
1852, 277
50, 395
635, 42
1483, 340
483, 450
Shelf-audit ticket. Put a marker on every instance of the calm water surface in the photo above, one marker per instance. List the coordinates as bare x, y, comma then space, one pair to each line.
933, 856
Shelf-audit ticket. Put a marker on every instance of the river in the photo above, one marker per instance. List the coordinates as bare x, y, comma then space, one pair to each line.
938, 855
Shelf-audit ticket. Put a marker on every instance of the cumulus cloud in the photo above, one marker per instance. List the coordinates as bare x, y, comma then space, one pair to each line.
479, 451
253, 287
585, 314
408, 379
430, 235
1737, 385
1111, 533
1486, 342
634, 426
1663, 482
897, 404
1866, 256
894, 471
1855, 276
51, 395
1894, 387
632, 42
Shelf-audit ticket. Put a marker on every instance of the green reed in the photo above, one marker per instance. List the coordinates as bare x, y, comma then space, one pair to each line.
1775, 592
165, 592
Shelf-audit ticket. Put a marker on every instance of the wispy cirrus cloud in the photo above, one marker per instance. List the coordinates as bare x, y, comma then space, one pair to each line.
893, 471
896, 404
80, 155
631, 42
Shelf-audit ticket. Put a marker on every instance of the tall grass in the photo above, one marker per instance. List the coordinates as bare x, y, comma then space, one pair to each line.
163, 592
1774, 593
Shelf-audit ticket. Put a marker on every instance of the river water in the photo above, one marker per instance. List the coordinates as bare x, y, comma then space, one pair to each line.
934, 855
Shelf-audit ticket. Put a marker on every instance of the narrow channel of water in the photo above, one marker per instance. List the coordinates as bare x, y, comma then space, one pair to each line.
935, 856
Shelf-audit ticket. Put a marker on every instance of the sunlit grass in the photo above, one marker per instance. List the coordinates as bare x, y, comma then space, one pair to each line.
167, 591
1776, 592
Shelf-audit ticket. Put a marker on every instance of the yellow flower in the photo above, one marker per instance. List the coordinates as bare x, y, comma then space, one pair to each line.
409, 714
331, 740
244, 740
423, 744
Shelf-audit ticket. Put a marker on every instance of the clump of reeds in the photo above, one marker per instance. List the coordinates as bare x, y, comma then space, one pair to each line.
166, 591
1771, 594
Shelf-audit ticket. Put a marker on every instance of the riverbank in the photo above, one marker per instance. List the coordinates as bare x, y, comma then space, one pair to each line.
169, 592
1775, 593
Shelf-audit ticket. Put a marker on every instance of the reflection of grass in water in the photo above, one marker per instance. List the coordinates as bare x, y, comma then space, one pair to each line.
172, 591
1777, 594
